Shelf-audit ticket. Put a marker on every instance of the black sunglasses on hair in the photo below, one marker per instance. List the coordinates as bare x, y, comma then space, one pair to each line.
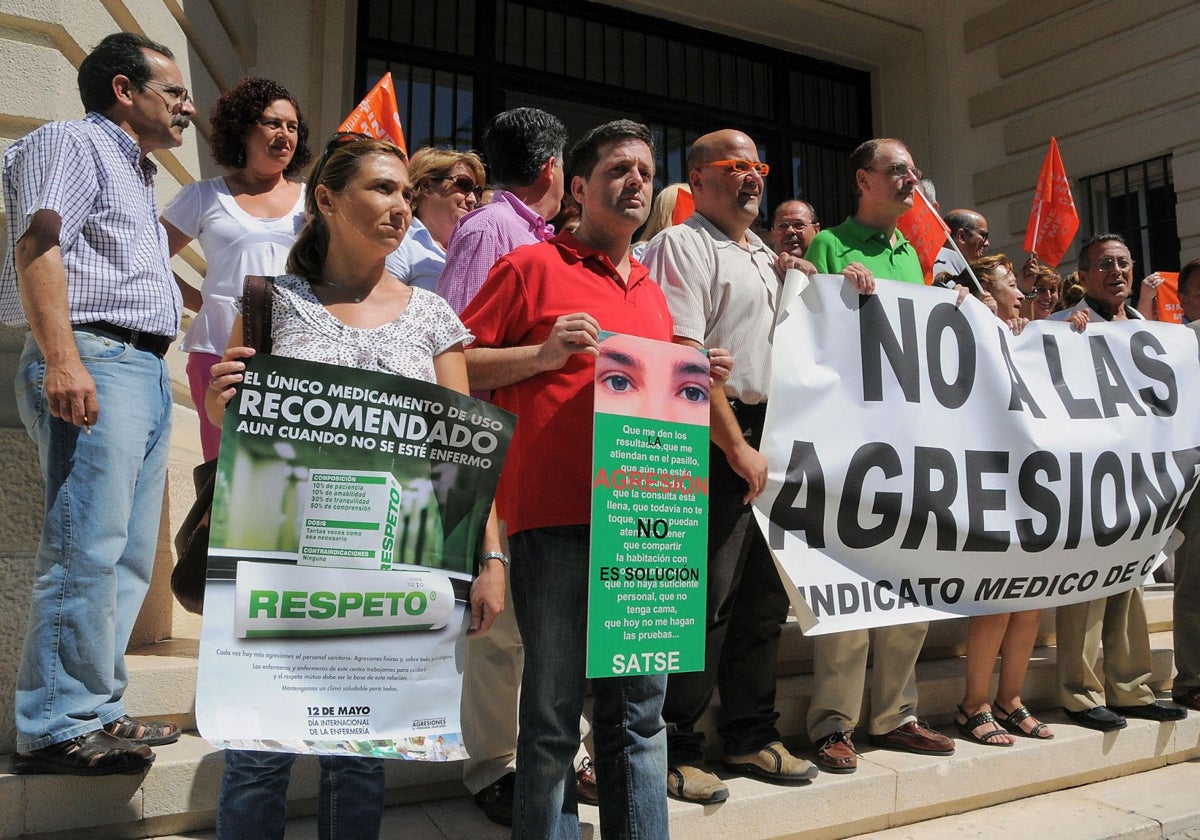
339, 138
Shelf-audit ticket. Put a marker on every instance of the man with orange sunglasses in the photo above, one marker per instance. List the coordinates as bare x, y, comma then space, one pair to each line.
722, 288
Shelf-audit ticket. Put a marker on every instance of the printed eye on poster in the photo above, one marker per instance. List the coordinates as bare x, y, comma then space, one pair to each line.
649, 535
348, 510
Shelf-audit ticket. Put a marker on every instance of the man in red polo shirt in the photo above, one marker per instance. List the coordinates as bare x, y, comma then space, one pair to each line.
536, 321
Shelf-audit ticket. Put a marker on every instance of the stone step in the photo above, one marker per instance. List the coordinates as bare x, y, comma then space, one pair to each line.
163, 675
940, 687
179, 792
1154, 804
1139, 783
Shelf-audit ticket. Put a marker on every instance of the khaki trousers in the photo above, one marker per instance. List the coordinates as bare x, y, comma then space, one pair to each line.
1119, 623
1187, 600
491, 679
840, 673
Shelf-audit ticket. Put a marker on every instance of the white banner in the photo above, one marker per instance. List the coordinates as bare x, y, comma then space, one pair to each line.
927, 463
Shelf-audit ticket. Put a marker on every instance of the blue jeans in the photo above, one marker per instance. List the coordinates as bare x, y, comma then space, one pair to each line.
550, 588
104, 493
252, 804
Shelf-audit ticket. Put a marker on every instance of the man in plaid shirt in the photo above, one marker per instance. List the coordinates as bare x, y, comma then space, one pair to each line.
87, 272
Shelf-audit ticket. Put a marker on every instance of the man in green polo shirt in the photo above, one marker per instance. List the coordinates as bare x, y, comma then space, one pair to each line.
864, 247
868, 243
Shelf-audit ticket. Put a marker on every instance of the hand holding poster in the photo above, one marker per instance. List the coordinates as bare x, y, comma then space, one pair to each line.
648, 579
348, 509
926, 463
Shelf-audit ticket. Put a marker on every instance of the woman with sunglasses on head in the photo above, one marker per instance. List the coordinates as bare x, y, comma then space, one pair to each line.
446, 186
339, 305
245, 221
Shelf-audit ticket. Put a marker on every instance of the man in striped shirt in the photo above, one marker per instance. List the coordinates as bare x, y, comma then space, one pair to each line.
87, 272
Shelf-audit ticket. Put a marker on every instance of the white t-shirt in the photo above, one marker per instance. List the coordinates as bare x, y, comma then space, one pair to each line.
235, 244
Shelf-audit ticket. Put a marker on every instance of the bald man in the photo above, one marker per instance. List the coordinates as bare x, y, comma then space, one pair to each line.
793, 227
722, 287
969, 230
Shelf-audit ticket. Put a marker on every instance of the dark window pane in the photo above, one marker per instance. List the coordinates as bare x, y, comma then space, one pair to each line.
401, 20
575, 47
445, 21
443, 110
656, 66
514, 34
711, 74
729, 82
556, 43
422, 27
614, 56
466, 27
594, 43
535, 39
464, 113
635, 61
377, 20
676, 70
694, 73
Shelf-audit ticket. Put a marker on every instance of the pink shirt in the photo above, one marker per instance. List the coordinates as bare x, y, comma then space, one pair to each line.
480, 238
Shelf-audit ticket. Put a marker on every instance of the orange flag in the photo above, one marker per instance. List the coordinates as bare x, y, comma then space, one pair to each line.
685, 205
1052, 219
378, 115
925, 231
1166, 302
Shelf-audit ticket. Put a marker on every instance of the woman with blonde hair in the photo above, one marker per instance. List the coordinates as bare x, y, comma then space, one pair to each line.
446, 186
1009, 635
670, 207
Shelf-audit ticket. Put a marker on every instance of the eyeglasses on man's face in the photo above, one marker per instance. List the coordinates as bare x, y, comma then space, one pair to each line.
741, 166
464, 184
793, 225
1109, 263
178, 93
898, 170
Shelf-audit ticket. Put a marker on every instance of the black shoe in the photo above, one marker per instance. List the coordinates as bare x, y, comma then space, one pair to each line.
496, 800
94, 754
1101, 718
1153, 711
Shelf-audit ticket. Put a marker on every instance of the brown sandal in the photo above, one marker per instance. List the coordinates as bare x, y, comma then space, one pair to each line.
1012, 722
94, 754
152, 733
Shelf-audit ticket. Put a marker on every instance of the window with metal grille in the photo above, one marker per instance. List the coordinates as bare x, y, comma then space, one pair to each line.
1137, 202
458, 62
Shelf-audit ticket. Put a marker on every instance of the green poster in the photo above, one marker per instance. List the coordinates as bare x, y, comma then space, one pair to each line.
347, 516
649, 536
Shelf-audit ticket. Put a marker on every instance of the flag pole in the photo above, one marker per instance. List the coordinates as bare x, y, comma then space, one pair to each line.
970, 273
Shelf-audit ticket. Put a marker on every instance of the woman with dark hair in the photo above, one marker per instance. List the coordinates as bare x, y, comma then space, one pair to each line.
339, 305
245, 221
1009, 635
446, 186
